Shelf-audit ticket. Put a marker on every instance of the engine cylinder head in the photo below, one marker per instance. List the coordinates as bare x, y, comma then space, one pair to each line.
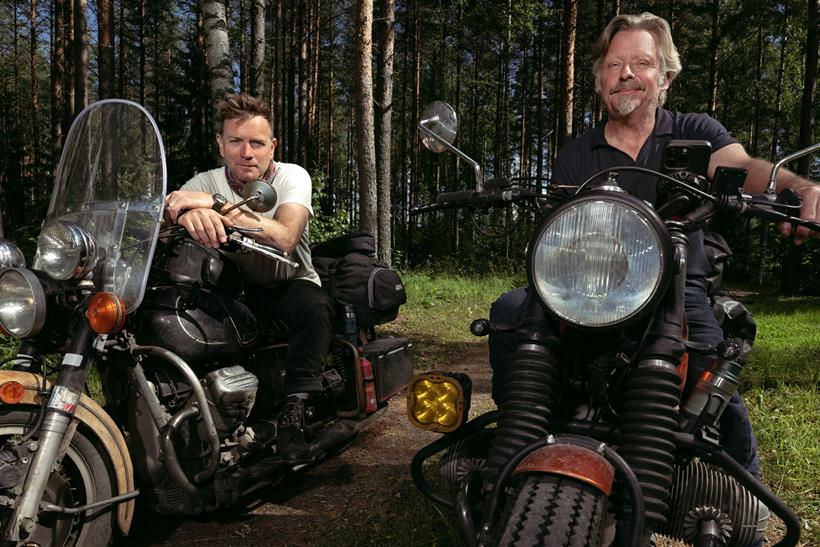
231, 392
700, 490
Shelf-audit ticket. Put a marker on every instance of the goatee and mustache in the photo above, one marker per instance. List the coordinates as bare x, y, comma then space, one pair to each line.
627, 104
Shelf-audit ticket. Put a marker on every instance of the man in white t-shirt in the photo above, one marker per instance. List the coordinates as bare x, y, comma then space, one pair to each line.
276, 292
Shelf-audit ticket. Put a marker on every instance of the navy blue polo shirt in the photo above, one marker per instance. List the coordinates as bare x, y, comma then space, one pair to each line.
589, 154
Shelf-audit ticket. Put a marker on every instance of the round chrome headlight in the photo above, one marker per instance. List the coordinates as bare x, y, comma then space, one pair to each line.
65, 251
22, 303
10, 255
600, 260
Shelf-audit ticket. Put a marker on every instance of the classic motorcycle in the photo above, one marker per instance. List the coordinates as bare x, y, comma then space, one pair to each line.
594, 441
190, 386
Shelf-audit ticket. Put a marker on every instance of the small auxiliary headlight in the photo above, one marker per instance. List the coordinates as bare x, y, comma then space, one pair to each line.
65, 251
439, 401
10, 255
105, 313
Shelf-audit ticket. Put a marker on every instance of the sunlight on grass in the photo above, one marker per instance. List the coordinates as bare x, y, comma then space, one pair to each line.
786, 421
787, 348
439, 311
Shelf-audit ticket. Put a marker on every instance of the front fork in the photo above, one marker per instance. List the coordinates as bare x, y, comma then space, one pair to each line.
55, 432
651, 395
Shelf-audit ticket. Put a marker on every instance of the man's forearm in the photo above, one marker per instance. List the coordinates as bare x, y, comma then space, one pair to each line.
759, 172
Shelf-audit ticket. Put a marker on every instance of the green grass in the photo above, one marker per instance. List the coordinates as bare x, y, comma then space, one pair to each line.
439, 311
786, 420
787, 348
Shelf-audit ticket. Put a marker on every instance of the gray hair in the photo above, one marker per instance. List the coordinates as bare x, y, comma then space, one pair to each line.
668, 57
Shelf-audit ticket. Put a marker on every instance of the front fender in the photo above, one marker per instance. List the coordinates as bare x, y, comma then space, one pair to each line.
571, 461
100, 423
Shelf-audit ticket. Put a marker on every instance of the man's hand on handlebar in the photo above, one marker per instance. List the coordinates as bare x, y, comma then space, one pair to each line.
809, 210
206, 226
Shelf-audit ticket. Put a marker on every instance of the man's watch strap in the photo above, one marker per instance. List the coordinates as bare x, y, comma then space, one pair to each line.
219, 202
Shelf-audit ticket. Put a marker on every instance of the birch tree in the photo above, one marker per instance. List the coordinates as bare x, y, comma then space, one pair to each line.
217, 49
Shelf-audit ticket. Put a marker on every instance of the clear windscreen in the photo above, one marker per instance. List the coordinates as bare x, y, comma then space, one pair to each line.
111, 181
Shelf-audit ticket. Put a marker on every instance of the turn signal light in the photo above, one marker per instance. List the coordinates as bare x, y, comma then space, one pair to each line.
106, 313
439, 401
11, 392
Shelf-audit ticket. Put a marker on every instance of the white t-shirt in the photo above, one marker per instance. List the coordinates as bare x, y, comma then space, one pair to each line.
292, 185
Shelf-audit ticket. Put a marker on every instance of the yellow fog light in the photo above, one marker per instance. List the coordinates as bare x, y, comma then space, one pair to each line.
439, 401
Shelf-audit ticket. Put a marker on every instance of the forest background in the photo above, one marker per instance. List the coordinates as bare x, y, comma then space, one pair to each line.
347, 80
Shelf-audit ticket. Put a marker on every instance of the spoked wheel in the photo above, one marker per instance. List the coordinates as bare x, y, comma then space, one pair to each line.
555, 511
84, 476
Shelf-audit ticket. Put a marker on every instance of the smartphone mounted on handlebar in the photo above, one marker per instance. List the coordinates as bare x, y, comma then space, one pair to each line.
682, 156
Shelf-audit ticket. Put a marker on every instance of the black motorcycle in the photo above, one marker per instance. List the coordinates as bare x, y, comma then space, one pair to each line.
594, 442
190, 385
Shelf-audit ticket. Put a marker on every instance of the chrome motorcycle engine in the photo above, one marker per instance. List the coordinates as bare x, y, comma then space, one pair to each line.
231, 393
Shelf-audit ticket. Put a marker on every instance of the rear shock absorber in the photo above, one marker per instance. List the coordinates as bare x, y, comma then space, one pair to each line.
529, 391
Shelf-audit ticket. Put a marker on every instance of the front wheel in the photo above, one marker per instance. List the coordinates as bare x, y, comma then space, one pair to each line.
84, 476
553, 510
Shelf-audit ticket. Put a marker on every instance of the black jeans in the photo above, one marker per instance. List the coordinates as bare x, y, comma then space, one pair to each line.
737, 437
307, 313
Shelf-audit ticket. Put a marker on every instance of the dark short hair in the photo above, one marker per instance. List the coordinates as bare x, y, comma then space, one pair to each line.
241, 106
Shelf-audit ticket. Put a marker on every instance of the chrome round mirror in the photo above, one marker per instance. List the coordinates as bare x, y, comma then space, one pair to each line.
259, 196
440, 119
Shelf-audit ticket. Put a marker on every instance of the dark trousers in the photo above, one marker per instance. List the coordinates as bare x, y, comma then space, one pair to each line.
306, 312
737, 437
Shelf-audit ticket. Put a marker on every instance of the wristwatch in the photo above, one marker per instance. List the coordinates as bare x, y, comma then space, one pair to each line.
219, 202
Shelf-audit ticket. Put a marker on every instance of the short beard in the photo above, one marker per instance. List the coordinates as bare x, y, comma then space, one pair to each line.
626, 105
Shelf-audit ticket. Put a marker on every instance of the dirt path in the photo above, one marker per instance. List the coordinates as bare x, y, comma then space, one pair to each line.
357, 482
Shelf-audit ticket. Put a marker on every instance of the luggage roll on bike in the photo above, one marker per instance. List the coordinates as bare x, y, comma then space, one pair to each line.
191, 385
594, 442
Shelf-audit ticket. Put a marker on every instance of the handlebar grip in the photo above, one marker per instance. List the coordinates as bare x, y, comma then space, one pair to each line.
463, 195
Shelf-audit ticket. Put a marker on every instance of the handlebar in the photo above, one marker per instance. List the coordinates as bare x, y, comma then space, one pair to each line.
761, 206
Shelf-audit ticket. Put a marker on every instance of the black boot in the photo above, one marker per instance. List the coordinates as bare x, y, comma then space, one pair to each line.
290, 437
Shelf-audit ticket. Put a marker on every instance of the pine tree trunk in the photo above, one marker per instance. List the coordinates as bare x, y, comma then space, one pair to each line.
365, 145
328, 207
384, 128
257, 47
567, 86
277, 84
57, 76
80, 55
35, 106
713, 60
105, 14
143, 47
217, 50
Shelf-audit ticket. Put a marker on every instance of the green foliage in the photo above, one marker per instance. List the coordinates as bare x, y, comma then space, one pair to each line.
324, 227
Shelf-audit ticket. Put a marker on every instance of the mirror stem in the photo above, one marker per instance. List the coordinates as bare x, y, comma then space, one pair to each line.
479, 178
240, 204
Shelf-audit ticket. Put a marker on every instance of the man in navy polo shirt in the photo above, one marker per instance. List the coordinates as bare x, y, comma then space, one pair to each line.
636, 60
